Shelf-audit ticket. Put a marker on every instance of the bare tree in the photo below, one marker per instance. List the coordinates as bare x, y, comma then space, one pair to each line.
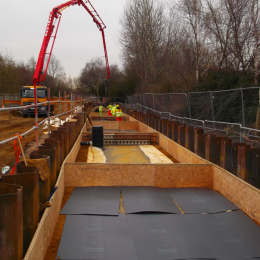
31, 64
193, 14
93, 75
55, 69
142, 38
256, 26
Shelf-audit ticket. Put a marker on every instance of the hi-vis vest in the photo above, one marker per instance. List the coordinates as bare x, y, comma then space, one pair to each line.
118, 113
113, 111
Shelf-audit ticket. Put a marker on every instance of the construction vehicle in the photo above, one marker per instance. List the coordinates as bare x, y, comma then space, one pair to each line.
51, 34
27, 98
45, 56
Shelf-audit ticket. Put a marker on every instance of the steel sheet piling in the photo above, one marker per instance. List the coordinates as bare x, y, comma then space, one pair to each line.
181, 134
29, 180
241, 161
11, 222
199, 147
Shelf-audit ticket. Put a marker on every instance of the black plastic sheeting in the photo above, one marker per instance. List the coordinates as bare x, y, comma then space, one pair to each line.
96, 237
220, 236
93, 201
192, 200
106, 201
224, 236
148, 200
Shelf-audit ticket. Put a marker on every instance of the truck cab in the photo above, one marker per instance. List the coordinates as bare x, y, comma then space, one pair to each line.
27, 98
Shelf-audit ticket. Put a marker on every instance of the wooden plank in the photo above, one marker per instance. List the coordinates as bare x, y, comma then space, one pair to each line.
44, 232
242, 194
166, 176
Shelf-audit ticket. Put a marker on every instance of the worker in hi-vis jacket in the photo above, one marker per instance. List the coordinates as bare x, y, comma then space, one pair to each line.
118, 114
100, 110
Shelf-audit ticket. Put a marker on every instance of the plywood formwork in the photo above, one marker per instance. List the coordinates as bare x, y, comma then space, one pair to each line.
165, 176
242, 194
193, 171
44, 232
117, 125
179, 152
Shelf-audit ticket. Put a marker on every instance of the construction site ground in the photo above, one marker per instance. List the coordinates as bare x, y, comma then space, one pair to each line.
13, 123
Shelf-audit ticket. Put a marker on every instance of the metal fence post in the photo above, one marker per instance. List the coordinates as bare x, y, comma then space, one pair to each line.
211, 96
243, 108
188, 104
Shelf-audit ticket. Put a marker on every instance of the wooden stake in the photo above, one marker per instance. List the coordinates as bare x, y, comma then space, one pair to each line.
21, 147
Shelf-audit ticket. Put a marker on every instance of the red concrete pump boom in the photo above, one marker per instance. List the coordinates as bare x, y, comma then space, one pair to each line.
51, 33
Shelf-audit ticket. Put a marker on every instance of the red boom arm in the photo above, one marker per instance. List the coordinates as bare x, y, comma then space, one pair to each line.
51, 33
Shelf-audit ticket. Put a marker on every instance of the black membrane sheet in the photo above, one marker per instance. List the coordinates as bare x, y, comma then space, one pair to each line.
225, 236
93, 201
213, 236
96, 237
201, 201
145, 200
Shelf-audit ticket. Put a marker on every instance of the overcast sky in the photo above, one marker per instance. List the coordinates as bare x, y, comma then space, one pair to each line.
23, 23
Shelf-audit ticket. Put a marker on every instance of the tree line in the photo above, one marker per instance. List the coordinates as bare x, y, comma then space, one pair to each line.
191, 44
14, 75
185, 45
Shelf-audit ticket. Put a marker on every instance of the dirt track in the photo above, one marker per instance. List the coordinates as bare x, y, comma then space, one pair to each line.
11, 124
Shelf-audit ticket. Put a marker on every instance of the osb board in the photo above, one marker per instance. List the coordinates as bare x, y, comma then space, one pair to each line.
44, 232
115, 125
72, 156
104, 114
177, 151
167, 176
242, 194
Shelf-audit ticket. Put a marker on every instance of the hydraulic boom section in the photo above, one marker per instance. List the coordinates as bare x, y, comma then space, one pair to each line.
51, 33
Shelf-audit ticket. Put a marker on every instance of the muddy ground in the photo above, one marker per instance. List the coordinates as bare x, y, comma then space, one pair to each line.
13, 123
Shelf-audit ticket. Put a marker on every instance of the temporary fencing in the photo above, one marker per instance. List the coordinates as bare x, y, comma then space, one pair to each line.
215, 110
